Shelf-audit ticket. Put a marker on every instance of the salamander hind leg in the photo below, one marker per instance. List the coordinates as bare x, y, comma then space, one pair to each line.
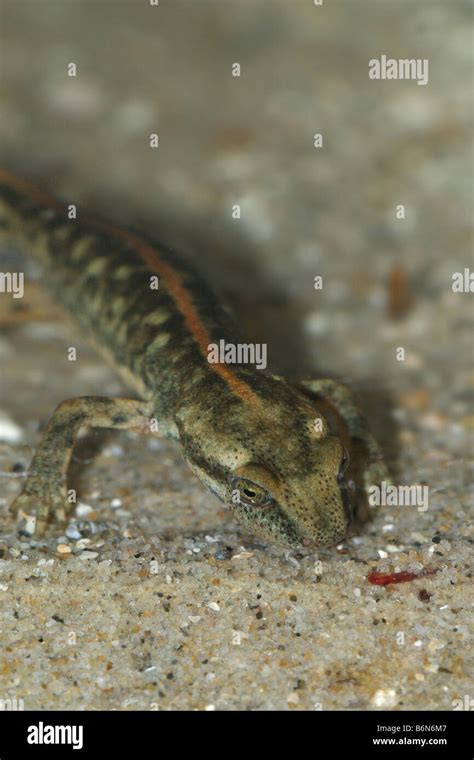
367, 466
45, 490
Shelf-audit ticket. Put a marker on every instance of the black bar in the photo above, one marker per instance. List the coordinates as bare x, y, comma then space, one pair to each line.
375, 734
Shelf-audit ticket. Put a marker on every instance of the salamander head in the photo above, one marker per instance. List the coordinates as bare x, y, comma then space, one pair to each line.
276, 465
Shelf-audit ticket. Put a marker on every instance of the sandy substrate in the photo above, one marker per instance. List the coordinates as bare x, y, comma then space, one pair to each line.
153, 598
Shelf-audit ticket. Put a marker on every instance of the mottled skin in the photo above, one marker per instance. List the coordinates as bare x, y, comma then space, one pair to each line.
277, 454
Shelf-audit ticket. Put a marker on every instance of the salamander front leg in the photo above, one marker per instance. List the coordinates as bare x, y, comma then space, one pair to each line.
45, 489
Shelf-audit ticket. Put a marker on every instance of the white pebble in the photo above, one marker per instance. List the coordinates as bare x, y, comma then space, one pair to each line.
30, 524
82, 543
10, 432
384, 698
82, 510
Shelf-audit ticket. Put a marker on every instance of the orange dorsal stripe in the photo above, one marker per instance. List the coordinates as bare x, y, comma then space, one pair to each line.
185, 305
173, 283
42, 199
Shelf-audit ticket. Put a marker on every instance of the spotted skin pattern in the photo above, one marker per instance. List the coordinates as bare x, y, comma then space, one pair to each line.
286, 446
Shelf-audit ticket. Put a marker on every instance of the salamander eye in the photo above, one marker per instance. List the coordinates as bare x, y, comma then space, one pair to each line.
251, 493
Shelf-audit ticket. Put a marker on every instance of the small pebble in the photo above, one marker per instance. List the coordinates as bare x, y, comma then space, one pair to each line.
88, 555
424, 595
82, 510
73, 532
30, 524
384, 698
82, 543
10, 432
418, 537
243, 555
63, 549
223, 554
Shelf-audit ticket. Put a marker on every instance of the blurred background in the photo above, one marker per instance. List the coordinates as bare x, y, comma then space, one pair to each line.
167, 69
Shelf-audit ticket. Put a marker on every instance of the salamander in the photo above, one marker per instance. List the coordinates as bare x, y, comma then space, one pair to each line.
290, 460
